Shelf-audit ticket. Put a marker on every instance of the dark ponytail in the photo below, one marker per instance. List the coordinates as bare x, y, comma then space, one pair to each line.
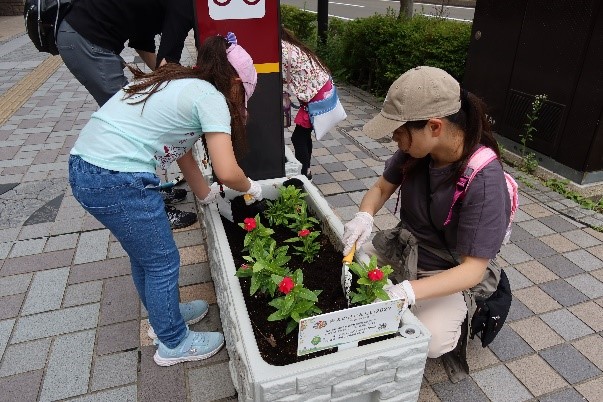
473, 121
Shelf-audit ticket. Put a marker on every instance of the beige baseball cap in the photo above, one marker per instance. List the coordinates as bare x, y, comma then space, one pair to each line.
421, 93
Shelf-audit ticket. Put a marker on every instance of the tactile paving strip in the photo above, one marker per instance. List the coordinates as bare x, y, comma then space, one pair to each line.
19, 93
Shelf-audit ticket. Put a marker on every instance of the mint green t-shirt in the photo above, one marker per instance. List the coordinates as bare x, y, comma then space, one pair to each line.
142, 137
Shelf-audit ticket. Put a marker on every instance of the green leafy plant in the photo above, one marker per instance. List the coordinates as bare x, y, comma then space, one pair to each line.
264, 260
371, 280
256, 232
309, 248
301, 220
561, 187
279, 211
298, 302
529, 162
301, 22
390, 46
526, 181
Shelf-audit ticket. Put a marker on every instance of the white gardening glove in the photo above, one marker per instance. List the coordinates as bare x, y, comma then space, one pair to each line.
211, 196
357, 231
402, 290
254, 193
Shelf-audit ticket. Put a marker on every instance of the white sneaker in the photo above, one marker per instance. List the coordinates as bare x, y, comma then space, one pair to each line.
195, 346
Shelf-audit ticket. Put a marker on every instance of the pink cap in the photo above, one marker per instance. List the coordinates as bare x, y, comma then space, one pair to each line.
243, 64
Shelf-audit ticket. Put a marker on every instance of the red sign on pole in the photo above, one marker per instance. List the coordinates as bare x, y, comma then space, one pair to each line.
256, 25
254, 22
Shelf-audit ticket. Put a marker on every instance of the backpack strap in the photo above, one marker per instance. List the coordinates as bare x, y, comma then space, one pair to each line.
480, 158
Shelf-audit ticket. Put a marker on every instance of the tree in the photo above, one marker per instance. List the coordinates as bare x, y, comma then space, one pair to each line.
406, 7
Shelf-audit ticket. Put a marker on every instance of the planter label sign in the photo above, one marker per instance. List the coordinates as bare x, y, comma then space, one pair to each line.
349, 326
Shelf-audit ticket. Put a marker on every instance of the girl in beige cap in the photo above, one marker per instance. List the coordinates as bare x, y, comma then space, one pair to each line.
437, 127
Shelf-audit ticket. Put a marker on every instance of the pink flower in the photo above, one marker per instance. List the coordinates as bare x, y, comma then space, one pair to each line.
303, 233
249, 224
375, 275
244, 267
286, 285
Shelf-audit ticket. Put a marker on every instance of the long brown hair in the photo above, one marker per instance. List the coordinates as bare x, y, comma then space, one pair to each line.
289, 37
212, 66
472, 120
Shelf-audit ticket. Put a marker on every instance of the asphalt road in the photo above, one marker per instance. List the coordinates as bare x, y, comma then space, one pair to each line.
351, 9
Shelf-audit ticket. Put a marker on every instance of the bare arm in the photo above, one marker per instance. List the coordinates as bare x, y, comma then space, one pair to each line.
224, 163
150, 59
192, 174
377, 195
462, 277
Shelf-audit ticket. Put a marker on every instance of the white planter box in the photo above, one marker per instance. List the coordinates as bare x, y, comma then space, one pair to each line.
388, 370
292, 165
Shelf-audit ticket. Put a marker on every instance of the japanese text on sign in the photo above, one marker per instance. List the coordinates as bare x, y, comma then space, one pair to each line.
350, 325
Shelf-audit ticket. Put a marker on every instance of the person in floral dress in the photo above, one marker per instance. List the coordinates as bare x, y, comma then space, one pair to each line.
309, 79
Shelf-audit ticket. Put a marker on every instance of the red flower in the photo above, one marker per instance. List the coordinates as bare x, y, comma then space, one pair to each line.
303, 233
286, 285
249, 224
244, 267
375, 275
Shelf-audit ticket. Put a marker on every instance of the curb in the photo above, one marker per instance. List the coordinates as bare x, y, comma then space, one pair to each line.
453, 3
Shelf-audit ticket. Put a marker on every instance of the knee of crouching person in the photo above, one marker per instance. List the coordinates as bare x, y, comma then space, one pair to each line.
440, 344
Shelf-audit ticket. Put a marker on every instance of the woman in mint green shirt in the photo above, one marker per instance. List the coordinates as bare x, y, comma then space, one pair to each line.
149, 124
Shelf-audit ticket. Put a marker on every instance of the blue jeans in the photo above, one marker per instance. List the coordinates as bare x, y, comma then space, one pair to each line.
100, 70
129, 205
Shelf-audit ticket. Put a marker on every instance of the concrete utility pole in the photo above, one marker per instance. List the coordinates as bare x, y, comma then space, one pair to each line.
406, 8
323, 21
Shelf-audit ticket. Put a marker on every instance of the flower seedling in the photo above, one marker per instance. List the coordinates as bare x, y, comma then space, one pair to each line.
263, 261
288, 200
256, 232
371, 280
298, 302
309, 248
300, 219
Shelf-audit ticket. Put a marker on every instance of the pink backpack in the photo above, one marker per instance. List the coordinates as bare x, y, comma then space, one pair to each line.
477, 162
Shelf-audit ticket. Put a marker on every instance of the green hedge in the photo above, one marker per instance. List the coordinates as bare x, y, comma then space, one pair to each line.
301, 22
372, 52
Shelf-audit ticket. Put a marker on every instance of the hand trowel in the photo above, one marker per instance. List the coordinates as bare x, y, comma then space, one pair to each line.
346, 275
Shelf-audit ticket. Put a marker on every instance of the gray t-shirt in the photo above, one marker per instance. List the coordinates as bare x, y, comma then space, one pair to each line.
478, 223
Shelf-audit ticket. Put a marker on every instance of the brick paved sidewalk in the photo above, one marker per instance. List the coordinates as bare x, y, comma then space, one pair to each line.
71, 325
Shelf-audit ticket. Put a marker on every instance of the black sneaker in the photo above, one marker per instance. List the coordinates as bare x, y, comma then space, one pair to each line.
173, 195
180, 219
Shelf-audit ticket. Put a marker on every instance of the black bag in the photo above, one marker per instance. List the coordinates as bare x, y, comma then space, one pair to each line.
492, 312
42, 19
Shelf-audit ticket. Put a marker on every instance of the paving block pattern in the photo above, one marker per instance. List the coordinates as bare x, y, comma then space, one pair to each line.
70, 321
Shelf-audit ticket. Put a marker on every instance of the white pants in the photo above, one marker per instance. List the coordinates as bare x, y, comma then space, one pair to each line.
443, 316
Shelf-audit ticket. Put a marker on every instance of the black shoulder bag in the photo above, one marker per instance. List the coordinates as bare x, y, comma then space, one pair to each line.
42, 20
